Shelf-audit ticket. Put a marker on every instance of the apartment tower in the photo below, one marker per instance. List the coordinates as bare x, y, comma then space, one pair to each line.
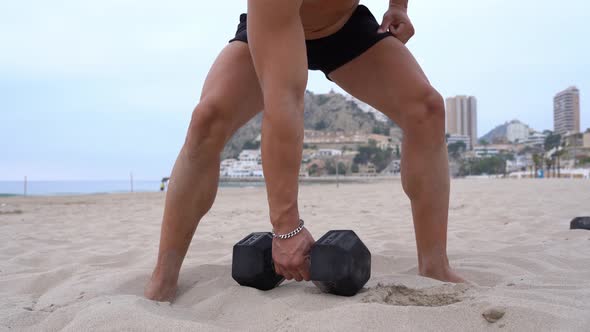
462, 117
566, 111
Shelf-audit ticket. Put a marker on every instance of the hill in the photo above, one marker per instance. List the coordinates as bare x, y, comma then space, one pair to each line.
330, 112
496, 134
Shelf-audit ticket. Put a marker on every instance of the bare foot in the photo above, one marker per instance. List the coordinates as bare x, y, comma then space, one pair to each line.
159, 290
443, 274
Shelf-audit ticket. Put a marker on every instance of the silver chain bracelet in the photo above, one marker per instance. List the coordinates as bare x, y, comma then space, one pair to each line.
290, 234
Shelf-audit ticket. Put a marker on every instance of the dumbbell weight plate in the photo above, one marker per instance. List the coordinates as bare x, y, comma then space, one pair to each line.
340, 263
252, 262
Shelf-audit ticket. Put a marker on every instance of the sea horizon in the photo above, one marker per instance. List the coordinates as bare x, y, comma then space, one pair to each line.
12, 188
75, 187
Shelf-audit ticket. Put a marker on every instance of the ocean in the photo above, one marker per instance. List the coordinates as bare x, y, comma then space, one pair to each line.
42, 188
86, 187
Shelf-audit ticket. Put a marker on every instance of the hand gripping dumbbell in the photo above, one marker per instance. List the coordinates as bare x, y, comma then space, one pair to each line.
340, 263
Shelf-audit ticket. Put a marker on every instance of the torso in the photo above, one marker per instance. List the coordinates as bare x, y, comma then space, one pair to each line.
322, 18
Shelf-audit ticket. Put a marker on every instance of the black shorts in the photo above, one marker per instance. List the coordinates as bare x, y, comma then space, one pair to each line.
329, 53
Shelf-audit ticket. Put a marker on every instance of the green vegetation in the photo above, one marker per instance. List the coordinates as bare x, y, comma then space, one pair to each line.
484, 166
331, 167
552, 141
507, 156
455, 149
313, 170
321, 125
371, 153
381, 129
251, 145
341, 168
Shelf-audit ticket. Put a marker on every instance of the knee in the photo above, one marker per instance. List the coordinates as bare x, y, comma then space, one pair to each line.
210, 127
426, 116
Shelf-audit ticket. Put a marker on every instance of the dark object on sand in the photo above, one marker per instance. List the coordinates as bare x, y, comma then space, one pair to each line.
580, 223
252, 264
340, 263
494, 314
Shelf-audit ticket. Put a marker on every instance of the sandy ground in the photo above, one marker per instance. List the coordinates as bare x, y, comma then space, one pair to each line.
80, 263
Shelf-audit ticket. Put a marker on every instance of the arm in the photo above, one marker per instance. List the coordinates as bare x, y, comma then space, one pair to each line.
277, 45
400, 3
397, 22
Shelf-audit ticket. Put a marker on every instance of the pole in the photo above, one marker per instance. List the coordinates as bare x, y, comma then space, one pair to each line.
25, 186
559, 165
131, 180
337, 174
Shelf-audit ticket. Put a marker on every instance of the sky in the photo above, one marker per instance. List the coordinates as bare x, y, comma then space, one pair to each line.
98, 89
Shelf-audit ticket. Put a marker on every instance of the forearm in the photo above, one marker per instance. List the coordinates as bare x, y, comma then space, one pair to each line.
399, 3
277, 45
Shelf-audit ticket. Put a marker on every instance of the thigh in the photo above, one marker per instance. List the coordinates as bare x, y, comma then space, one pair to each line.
232, 87
386, 77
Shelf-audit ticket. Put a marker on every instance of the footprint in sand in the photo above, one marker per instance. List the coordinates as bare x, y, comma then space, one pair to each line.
400, 295
457, 207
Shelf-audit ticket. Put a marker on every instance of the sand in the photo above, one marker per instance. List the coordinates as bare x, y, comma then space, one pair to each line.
80, 263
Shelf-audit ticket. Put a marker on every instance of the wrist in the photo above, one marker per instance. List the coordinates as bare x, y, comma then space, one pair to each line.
289, 232
403, 4
284, 220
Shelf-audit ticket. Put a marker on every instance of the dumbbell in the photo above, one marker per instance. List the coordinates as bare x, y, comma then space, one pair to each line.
580, 223
340, 263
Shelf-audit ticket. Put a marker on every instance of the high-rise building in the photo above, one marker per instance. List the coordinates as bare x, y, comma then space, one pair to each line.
462, 117
587, 139
453, 138
517, 131
566, 111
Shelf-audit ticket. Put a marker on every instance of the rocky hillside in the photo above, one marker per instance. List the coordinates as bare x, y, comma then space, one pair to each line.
496, 134
331, 112
499, 134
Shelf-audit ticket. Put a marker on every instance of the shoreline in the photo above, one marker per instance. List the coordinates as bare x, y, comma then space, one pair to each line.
259, 182
223, 183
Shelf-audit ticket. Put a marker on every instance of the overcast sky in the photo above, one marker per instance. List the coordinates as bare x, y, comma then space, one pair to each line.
95, 89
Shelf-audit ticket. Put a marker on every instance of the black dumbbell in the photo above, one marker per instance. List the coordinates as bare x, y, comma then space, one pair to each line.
580, 223
340, 263
252, 264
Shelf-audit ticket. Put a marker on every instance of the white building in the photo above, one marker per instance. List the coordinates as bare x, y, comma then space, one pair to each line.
535, 139
484, 151
248, 164
453, 138
518, 163
517, 131
228, 163
329, 153
253, 156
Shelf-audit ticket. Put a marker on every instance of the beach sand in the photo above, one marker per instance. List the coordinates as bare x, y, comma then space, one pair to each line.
80, 263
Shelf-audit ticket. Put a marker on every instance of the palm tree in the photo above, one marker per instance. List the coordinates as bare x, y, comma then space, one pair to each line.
548, 164
538, 162
557, 154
